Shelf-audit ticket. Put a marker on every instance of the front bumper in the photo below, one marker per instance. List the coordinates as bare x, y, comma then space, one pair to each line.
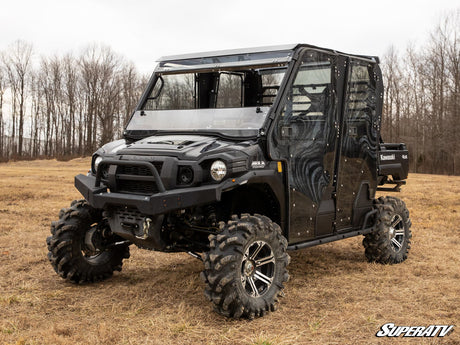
163, 201
159, 203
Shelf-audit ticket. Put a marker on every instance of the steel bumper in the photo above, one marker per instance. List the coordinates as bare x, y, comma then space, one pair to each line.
159, 203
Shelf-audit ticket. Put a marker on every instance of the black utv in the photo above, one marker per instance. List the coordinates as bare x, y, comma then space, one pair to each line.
236, 157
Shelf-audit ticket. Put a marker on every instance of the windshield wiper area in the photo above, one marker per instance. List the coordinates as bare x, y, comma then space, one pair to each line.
239, 135
138, 134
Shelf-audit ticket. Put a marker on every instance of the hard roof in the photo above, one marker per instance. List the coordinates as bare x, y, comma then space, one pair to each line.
286, 47
229, 52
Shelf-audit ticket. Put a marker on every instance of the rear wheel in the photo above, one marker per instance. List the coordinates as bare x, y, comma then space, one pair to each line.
390, 242
246, 267
82, 247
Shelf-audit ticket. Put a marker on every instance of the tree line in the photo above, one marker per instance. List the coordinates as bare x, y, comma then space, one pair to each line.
67, 106
422, 99
64, 106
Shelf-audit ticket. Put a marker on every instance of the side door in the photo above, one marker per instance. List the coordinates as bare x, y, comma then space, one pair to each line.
357, 167
305, 136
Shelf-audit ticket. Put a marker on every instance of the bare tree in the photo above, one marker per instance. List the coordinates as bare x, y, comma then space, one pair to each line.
71, 93
391, 75
2, 125
72, 104
18, 66
132, 86
421, 103
449, 31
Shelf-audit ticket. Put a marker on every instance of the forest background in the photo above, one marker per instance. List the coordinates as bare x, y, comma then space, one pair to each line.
69, 105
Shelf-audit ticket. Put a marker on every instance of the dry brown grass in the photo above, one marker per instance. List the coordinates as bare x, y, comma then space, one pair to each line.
334, 296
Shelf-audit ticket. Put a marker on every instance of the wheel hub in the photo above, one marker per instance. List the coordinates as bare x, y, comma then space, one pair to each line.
392, 232
90, 246
257, 268
94, 243
249, 267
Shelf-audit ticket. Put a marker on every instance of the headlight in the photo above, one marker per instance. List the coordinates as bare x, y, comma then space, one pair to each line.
96, 163
218, 170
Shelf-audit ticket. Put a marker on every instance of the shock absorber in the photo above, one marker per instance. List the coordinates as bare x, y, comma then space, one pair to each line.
211, 217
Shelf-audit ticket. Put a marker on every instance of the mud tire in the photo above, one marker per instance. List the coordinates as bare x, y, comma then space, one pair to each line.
66, 246
225, 266
390, 242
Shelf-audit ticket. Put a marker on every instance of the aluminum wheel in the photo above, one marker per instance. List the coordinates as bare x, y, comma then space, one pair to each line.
257, 268
90, 244
397, 233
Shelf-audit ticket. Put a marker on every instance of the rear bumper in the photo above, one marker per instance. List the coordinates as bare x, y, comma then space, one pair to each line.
159, 203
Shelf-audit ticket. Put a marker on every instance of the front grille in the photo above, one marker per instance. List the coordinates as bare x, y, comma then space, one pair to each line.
127, 183
139, 170
137, 187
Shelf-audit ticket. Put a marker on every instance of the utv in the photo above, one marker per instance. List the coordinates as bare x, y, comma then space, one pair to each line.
236, 157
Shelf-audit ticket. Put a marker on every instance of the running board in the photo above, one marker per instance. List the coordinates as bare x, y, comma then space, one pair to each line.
329, 239
313, 243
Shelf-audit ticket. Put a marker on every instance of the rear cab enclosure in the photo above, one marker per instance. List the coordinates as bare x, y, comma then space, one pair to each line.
242, 155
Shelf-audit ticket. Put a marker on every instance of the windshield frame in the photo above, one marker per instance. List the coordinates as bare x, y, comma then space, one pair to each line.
242, 134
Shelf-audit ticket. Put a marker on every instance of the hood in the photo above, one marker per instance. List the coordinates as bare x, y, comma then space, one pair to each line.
181, 146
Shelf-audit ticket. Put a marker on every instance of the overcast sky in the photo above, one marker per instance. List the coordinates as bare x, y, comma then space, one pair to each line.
144, 30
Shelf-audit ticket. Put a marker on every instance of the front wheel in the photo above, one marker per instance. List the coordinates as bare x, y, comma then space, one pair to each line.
82, 247
390, 242
246, 267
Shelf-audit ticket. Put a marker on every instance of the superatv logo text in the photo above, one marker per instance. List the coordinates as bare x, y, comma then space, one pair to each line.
390, 330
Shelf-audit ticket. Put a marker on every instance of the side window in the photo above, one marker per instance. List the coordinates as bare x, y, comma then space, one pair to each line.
174, 91
229, 94
361, 103
309, 111
361, 92
271, 80
311, 90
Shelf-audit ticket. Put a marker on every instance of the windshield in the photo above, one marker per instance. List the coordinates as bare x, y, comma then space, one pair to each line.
227, 100
196, 119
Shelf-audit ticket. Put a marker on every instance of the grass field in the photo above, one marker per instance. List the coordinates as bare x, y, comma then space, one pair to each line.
333, 297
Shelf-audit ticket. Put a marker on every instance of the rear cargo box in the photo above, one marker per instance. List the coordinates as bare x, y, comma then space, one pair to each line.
393, 159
